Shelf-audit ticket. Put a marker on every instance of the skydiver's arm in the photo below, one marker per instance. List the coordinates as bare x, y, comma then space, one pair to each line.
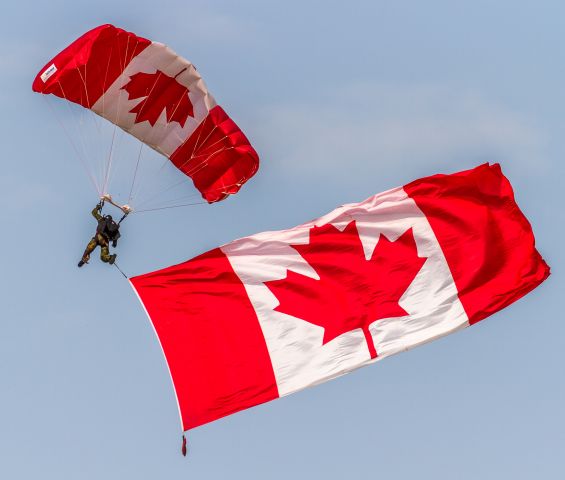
96, 212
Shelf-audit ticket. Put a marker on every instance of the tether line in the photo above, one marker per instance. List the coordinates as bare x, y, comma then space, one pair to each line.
120, 270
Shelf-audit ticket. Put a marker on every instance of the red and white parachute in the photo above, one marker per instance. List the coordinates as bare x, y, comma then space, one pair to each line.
149, 91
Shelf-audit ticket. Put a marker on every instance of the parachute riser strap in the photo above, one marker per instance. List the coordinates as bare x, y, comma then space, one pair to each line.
108, 198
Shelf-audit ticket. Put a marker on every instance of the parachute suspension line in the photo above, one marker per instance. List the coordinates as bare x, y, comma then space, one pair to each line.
111, 152
101, 162
105, 80
150, 92
167, 160
161, 168
207, 156
93, 158
195, 169
172, 206
84, 111
187, 197
103, 170
139, 113
109, 162
211, 145
167, 202
107, 174
87, 111
197, 144
140, 184
152, 193
125, 58
183, 198
199, 166
180, 97
204, 162
135, 172
164, 190
83, 79
88, 116
79, 155
78, 132
171, 115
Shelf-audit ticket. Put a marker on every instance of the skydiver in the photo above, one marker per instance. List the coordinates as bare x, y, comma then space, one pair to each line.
107, 231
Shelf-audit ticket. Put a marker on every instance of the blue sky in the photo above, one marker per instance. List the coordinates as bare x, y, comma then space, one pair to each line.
342, 100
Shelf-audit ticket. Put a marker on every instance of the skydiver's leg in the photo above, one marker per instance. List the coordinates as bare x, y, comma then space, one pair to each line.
105, 252
88, 250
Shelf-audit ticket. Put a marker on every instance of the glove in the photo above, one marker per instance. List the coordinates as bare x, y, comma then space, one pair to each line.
115, 243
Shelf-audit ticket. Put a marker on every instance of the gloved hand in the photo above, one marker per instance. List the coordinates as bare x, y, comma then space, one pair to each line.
115, 243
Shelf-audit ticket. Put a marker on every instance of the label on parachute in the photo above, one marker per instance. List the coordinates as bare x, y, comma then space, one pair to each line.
48, 73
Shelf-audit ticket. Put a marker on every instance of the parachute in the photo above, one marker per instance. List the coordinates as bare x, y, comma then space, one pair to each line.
147, 90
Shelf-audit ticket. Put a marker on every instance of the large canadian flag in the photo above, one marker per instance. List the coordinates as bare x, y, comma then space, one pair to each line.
276, 312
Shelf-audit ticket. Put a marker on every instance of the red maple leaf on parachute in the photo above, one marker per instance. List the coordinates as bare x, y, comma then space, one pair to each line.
352, 292
161, 92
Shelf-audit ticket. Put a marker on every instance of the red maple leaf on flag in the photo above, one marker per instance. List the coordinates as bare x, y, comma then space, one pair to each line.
161, 92
352, 292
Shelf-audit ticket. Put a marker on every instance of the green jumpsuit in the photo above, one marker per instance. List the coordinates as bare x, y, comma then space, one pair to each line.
99, 239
